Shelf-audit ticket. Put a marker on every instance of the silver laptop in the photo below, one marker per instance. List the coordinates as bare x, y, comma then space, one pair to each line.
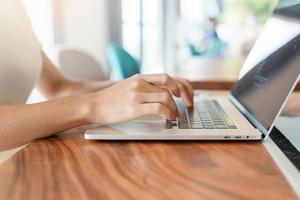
267, 78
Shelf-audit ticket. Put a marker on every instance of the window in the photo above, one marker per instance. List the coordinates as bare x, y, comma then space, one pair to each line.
142, 32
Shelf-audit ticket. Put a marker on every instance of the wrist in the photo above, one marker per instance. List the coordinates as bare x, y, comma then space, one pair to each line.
89, 105
85, 109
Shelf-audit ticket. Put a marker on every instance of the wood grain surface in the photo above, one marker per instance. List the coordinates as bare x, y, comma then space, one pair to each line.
72, 168
69, 167
219, 85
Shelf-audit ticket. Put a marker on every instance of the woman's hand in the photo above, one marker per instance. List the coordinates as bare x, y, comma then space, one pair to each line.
138, 96
186, 91
125, 100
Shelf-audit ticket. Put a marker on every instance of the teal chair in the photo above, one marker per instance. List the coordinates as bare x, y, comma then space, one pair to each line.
216, 49
192, 50
123, 65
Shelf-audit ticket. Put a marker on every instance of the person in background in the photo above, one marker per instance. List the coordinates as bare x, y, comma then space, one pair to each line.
212, 30
211, 46
24, 65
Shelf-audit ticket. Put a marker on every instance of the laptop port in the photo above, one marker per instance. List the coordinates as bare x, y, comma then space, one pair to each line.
238, 137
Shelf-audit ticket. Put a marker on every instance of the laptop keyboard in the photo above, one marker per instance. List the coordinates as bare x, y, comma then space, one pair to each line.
206, 114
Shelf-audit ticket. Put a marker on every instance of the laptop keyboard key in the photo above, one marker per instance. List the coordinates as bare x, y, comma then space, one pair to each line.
208, 127
184, 126
221, 127
196, 126
207, 114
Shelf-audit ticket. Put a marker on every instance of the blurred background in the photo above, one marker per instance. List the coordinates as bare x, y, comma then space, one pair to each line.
113, 39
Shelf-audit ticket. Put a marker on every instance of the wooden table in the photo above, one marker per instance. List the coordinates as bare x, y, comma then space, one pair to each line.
68, 167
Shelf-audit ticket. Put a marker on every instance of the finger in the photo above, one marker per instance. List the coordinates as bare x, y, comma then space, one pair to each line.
165, 95
188, 87
144, 88
185, 95
162, 80
163, 98
156, 109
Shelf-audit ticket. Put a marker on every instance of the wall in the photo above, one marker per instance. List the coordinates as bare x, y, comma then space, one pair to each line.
80, 24
85, 27
41, 17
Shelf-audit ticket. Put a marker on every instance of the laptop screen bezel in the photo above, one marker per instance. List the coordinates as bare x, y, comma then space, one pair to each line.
239, 105
251, 118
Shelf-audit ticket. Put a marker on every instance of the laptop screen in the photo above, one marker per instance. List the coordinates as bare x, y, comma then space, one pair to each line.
272, 67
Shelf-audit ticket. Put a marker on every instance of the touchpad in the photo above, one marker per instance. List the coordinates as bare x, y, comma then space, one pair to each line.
150, 118
140, 127
143, 125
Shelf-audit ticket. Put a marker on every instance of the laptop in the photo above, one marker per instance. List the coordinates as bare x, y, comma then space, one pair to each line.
267, 79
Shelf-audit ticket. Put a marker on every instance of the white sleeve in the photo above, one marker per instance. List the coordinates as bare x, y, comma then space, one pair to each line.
20, 9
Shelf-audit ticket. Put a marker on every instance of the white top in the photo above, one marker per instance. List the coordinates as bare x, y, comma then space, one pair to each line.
20, 54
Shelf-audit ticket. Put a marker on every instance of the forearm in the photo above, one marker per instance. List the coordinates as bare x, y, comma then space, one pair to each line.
70, 87
53, 84
23, 123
